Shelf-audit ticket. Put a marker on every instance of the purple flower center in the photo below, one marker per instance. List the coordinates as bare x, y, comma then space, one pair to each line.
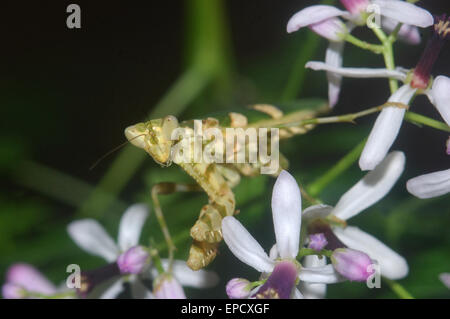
422, 72
280, 283
320, 226
317, 241
92, 278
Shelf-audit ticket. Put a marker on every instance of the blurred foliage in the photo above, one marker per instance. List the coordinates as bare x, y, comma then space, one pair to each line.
48, 185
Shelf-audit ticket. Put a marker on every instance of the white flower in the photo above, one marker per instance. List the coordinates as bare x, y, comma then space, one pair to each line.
282, 272
89, 235
374, 186
324, 20
388, 123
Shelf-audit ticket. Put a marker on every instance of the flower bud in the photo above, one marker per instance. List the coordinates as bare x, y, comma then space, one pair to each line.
133, 260
317, 241
238, 288
352, 264
167, 287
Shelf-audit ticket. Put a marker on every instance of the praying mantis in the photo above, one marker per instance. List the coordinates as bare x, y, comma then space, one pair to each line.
215, 179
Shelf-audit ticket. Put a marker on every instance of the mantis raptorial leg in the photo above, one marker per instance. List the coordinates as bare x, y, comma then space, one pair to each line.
166, 188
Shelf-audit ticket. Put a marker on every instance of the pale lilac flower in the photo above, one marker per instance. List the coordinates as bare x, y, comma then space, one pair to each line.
92, 237
322, 19
238, 288
369, 190
23, 278
286, 212
445, 278
353, 264
398, 11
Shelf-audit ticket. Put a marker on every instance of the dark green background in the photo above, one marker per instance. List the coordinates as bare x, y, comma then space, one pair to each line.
67, 95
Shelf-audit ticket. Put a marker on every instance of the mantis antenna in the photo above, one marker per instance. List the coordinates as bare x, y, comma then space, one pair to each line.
111, 152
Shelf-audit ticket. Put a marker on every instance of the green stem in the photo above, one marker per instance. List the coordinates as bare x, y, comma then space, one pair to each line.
316, 187
156, 260
375, 48
308, 252
398, 289
388, 55
58, 185
419, 119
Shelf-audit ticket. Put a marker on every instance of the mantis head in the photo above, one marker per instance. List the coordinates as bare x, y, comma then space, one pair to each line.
154, 137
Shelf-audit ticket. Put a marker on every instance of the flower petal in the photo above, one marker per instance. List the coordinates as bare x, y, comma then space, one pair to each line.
356, 72
373, 187
392, 265
316, 211
244, 246
130, 226
287, 214
90, 236
441, 96
334, 58
332, 29
29, 278
313, 291
385, 130
167, 287
187, 277
405, 12
430, 185
312, 15
322, 275
407, 33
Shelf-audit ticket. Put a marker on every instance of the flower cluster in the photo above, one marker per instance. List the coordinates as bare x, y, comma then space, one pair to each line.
354, 254
404, 18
